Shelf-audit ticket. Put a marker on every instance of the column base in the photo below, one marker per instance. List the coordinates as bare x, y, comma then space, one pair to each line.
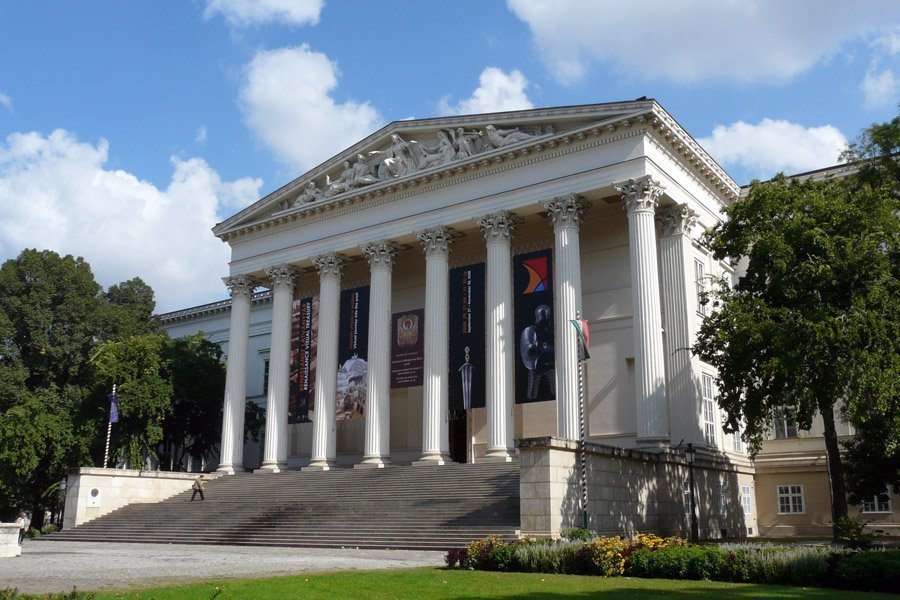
272, 467
432, 459
498, 455
320, 465
230, 469
373, 462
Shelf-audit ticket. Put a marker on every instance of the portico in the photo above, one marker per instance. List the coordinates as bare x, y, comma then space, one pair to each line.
400, 210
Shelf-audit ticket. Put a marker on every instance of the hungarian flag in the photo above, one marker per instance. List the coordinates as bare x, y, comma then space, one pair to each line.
113, 408
584, 338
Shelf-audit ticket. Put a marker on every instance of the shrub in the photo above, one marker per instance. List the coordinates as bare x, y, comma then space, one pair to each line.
852, 533
50, 528
578, 534
455, 557
773, 563
603, 556
871, 571
677, 562
488, 554
33, 532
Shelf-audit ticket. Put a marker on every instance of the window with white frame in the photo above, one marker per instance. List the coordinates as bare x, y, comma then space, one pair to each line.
790, 499
710, 427
700, 279
686, 495
720, 498
785, 425
738, 443
746, 499
879, 503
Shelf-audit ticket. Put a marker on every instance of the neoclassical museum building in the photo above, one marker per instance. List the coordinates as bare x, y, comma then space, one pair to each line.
424, 297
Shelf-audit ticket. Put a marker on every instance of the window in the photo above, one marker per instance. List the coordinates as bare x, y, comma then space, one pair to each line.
737, 441
785, 425
746, 499
265, 377
700, 280
709, 410
790, 499
720, 498
686, 495
880, 503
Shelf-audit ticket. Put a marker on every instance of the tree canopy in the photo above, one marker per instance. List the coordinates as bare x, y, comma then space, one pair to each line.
811, 325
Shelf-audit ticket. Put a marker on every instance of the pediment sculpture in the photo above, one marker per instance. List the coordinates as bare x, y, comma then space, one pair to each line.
402, 158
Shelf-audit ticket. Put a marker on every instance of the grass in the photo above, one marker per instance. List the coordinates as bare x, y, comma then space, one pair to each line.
434, 583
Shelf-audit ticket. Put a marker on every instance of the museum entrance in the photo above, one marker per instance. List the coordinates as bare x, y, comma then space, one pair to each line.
459, 439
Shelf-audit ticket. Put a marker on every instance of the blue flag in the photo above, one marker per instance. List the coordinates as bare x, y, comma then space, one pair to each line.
113, 408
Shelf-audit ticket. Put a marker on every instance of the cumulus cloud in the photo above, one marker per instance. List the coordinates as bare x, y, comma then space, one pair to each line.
693, 40
55, 193
5, 100
496, 91
244, 13
880, 89
774, 145
287, 101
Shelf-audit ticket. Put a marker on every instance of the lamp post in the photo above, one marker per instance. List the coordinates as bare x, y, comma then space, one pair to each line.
689, 454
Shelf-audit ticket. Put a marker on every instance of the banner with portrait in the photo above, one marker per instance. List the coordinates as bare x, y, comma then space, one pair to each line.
353, 347
467, 337
534, 331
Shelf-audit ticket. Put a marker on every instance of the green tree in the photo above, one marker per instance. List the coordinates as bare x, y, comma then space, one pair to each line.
812, 323
128, 310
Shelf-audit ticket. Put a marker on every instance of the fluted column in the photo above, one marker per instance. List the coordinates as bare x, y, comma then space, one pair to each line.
676, 267
324, 438
566, 214
501, 345
435, 407
641, 196
378, 402
231, 457
275, 451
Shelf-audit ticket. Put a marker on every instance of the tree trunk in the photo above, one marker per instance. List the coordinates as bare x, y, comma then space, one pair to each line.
835, 469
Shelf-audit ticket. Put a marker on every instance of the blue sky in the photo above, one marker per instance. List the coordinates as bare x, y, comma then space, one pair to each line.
128, 129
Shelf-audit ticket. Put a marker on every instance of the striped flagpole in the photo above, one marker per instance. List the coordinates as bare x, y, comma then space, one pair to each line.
581, 431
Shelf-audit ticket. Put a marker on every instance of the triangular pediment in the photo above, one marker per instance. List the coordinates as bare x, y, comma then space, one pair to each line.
407, 153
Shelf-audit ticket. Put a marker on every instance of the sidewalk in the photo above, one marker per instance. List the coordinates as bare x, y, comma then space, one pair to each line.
47, 566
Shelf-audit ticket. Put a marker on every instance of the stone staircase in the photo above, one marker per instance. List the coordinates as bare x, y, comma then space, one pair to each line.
429, 508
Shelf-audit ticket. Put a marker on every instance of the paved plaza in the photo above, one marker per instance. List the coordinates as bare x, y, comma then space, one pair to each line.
46, 566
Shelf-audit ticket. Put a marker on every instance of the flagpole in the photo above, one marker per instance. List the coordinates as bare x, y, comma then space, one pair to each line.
108, 432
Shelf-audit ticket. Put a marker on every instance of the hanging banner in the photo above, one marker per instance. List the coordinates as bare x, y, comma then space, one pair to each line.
467, 337
534, 331
583, 331
407, 348
304, 328
353, 344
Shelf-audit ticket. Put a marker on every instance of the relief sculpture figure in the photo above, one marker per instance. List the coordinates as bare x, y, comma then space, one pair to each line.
465, 143
310, 194
342, 183
362, 173
505, 137
444, 153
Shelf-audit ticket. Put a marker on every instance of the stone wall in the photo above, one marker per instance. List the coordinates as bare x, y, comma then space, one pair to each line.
629, 491
116, 488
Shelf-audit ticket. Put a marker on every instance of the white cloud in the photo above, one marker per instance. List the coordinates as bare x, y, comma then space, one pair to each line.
772, 146
693, 40
5, 101
287, 101
496, 92
244, 13
880, 89
55, 193
201, 134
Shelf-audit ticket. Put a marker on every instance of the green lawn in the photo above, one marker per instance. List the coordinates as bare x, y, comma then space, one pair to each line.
432, 583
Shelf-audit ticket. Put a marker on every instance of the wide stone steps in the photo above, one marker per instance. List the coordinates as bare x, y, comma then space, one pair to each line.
433, 508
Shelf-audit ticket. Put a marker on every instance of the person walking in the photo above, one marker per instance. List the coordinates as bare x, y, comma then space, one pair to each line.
24, 523
198, 488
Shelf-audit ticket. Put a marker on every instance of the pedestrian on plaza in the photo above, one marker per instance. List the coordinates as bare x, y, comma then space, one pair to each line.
198, 487
24, 523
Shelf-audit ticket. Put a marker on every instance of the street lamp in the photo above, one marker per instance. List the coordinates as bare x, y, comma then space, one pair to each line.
690, 454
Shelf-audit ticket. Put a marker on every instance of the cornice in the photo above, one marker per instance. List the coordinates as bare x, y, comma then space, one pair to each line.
211, 309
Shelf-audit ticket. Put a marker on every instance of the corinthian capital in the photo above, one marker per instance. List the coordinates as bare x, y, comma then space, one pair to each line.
330, 263
566, 211
436, 241
498, 226
281, 275
380, 253
677, 220
240, 286
640, 194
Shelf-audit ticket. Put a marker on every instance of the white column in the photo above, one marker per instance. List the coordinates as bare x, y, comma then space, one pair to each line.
641, 196
435, 407
324, 439
231, 457
501, 345
566, 214
678, 301
378, 403
275, 451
